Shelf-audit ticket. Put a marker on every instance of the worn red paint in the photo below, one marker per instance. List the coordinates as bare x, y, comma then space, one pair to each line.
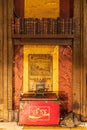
39, 113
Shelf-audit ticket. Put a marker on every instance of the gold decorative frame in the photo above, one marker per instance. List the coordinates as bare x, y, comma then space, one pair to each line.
40, 71
41, 49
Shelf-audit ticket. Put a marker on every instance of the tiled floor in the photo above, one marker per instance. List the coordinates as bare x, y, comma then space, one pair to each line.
14, 126
10, 126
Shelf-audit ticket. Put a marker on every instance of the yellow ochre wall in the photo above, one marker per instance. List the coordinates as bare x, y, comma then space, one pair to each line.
42, 8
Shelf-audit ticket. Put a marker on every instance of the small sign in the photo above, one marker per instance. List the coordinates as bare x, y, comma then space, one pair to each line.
40, 70
39, 113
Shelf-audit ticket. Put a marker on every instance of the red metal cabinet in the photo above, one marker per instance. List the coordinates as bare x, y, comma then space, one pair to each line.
39, 111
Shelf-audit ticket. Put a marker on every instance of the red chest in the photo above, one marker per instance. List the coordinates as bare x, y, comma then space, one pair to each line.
39, 112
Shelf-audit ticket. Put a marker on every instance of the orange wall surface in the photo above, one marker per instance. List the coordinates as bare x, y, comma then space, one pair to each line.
44, 8
65, 7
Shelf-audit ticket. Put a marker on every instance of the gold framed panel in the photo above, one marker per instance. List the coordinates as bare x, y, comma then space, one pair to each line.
40, 70
44, 50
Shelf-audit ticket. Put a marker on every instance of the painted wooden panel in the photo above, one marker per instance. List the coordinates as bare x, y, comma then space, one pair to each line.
19, 8
66, 8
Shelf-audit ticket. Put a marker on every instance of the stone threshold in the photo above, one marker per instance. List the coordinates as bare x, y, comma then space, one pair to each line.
52, 128
15, 126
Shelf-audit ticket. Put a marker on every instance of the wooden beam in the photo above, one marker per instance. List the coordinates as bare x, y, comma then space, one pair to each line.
1, 61
5, 46
84, 62
10, 54
77, 58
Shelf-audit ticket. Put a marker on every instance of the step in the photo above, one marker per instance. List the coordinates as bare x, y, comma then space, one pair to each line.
51, 128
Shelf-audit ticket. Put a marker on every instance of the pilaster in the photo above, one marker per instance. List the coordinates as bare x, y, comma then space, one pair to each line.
77, 58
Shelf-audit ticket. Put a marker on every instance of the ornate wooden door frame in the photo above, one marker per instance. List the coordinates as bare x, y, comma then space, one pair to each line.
79, 72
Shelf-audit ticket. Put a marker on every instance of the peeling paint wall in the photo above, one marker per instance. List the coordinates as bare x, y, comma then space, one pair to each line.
64, 74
